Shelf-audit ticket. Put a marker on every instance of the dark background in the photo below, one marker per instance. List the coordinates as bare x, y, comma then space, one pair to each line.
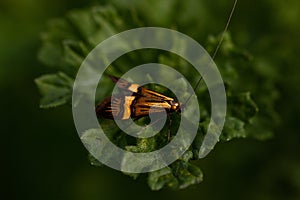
45, 159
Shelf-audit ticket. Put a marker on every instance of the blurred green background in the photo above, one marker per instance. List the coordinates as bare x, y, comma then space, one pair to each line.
45, 159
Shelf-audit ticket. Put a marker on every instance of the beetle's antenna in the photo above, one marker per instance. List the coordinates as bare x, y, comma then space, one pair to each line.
225, 29
219, 44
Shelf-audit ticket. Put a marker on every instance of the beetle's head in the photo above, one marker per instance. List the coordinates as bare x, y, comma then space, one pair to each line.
175, 106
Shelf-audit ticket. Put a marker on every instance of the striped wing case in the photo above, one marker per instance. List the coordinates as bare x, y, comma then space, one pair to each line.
135, 102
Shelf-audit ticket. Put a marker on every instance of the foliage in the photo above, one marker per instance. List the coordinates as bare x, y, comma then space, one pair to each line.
250, 105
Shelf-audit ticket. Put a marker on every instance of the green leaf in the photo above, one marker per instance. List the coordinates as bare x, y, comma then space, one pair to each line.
162, 178
179, 175
233, 128
188, 155
56, 89
68, 40
143, 145
186, 173
242, 106
92, 140
74, 53
94, 161
51, 53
